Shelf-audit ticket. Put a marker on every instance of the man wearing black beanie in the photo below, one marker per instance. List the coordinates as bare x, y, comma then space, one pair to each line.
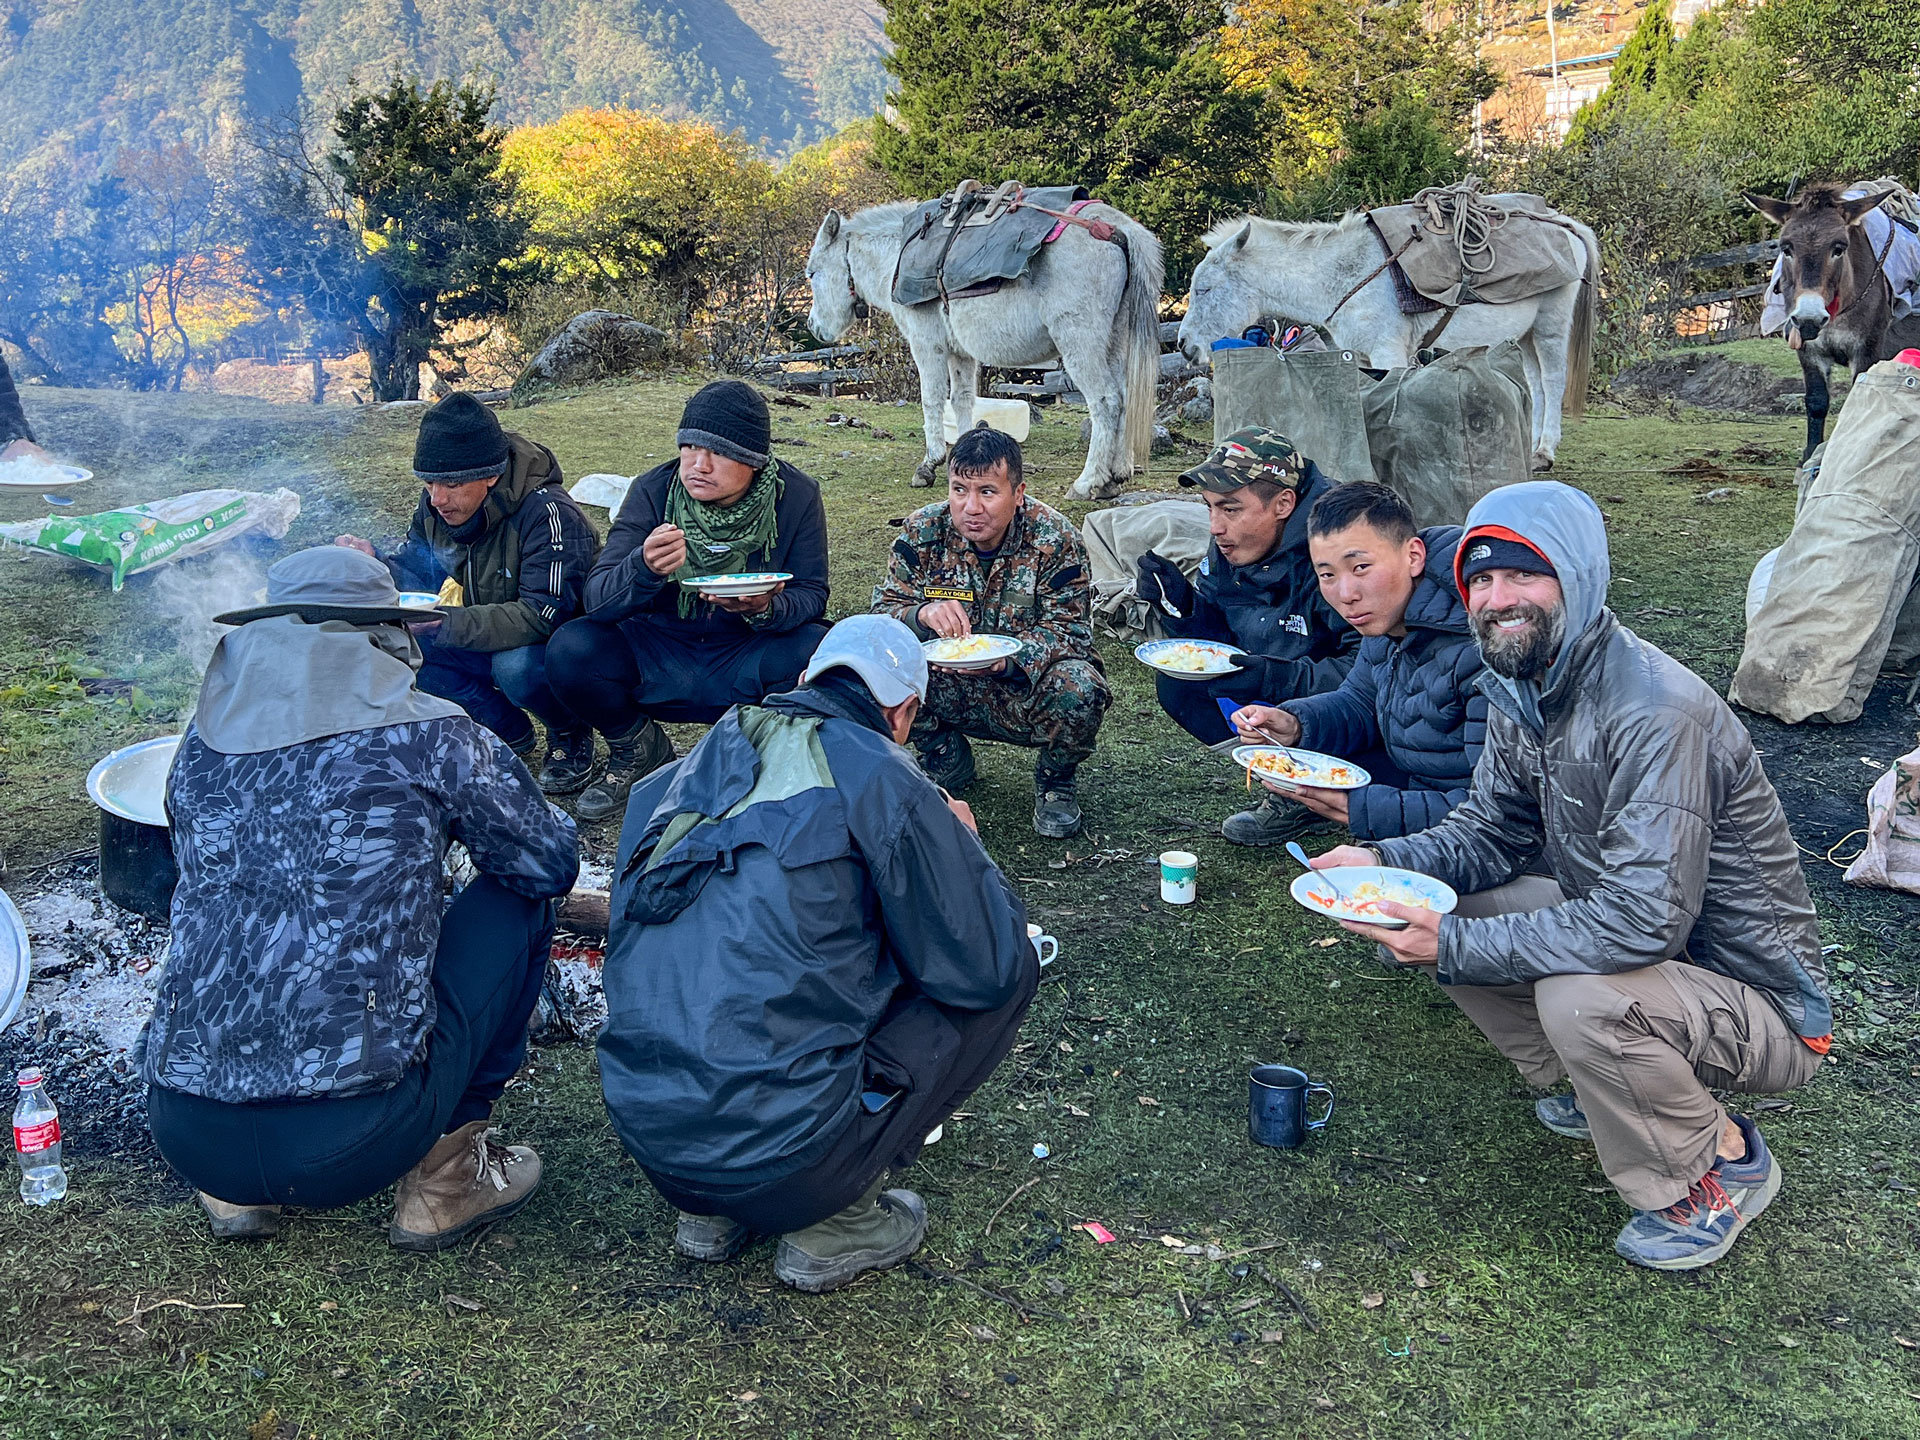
508, 550
651, 645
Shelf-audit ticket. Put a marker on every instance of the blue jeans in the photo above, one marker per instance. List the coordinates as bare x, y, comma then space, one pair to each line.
498, 688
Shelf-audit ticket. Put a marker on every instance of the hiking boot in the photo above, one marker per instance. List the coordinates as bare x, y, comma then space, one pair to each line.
713, 1238
468, 1179
239, 1222
874, 1233
629, 760
1702, 1226
569, 763
525, 748
947, 759
1562, 1115
1274, 821
1056, 814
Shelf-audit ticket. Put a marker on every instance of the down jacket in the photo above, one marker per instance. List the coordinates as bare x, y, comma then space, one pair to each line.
752, 956
1296, 643
522, 561
1641, 791
1417, 697
13, 419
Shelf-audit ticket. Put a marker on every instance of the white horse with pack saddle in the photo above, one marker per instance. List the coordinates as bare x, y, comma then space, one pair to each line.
1451, 268
1008, 277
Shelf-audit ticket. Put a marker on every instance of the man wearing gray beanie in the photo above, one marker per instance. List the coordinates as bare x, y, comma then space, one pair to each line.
652, 645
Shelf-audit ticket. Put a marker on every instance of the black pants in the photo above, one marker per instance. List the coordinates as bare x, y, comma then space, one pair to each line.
325, 1152
943, 1055
613, 676
1195, 704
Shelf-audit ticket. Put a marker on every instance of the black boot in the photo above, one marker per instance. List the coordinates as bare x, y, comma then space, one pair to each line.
569, 762
1056, 813
645, 749
948, 760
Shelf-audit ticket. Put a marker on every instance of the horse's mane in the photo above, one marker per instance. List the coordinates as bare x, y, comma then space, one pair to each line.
1287, 229
890, 212
1823, 195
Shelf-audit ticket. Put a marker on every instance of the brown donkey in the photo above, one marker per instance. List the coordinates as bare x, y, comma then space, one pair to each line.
1839, 303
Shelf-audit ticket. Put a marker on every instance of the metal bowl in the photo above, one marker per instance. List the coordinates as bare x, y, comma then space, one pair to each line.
137, 871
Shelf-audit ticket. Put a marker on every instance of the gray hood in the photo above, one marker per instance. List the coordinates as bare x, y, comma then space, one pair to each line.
1564, 525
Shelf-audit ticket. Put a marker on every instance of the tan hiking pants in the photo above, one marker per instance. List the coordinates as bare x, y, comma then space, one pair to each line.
1642, 1048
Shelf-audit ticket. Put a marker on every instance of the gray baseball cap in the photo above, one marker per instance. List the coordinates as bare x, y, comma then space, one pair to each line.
330, 582
880, 650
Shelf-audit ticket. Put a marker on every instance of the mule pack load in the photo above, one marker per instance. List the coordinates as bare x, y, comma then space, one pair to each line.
975, 240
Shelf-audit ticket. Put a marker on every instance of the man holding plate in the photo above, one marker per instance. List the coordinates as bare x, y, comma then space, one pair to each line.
664, 636
1257, 589
990, 561
1679, 953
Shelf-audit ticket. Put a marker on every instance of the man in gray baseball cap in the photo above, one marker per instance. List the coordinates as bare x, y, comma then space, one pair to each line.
812, 964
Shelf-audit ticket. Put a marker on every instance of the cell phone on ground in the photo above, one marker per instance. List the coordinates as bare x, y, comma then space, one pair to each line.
878, 1095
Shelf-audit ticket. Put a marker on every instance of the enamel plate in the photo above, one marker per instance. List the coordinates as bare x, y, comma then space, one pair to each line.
1288, 768
969, 652
1189, 659
1365, 884
738, 586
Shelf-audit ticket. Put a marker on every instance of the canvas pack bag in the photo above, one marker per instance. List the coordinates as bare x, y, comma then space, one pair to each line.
1891, 857
1840, 584
1316, 399
1459, 247
1117, 538
1445, 433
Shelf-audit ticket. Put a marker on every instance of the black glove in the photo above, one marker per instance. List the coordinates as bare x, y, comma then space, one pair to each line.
1160, 581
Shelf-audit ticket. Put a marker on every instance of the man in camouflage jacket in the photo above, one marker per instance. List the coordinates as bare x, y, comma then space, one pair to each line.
990, 561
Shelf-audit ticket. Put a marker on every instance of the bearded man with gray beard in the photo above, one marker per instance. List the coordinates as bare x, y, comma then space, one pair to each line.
1674, 951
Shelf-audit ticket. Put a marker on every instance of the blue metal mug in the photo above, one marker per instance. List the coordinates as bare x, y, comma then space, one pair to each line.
1277, 1106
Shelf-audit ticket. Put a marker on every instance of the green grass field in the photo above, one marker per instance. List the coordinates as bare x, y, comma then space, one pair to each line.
1435, 1264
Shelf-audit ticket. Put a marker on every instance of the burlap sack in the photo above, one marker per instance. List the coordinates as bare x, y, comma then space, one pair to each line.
1891, 858
1532, 251
1842, 579
1315, 400
1446, 433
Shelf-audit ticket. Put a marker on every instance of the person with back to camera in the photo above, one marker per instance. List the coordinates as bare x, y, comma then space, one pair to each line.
990, 559
812, 964
1257, 589
1675, 951
650, 648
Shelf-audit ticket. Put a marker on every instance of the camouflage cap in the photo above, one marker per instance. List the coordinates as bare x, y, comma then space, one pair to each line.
1248, 454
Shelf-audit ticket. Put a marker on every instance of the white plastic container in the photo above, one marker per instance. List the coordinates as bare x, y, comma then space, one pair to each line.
1009, 417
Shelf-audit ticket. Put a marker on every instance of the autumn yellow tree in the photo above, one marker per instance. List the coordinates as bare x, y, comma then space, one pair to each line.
620, 195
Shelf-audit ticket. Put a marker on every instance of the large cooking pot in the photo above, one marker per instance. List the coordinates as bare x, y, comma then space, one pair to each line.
136, 847
15, 961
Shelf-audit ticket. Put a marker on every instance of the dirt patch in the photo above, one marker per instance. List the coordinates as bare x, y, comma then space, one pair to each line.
1710, 382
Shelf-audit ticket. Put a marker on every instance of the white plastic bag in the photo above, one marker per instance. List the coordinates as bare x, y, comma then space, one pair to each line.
1891, 858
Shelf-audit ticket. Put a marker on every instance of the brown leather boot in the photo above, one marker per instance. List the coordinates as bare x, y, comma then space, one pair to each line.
468, 1179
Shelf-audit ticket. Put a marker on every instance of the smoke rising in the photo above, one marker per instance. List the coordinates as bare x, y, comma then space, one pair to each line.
192, 592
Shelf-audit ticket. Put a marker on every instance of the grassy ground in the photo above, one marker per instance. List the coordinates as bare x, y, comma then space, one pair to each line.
1435, 1264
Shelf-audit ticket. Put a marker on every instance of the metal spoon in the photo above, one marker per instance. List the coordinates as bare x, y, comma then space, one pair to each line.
1293, 849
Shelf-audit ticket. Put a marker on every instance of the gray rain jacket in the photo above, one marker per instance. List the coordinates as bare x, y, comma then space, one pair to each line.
1641, 791
752, 956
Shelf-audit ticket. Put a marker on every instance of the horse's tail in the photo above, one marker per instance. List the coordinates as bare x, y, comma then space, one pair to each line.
1586, 324
1136, 333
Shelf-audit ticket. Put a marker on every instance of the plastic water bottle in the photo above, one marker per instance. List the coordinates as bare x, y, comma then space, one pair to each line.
36, 1141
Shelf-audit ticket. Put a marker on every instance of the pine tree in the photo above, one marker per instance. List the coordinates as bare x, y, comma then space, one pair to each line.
1125, 97
1635, 73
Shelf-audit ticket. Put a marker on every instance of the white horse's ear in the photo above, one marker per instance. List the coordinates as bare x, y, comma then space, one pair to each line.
1246, 234
830, 227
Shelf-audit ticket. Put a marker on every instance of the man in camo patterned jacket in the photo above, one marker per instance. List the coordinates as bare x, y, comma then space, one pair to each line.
323, 1028
988, 560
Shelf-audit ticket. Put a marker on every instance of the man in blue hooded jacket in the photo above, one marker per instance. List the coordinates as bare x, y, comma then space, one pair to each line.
812, 964
1681, 954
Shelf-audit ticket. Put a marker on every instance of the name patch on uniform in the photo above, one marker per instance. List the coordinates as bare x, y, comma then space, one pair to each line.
943, 592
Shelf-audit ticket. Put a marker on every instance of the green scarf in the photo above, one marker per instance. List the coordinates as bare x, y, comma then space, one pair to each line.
721, 540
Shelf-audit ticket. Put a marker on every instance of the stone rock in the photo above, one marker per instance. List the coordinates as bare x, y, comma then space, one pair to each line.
1198, 410
594, 345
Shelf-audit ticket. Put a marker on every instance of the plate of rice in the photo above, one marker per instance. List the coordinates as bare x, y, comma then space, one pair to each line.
1286, 767
969, 652
1189, 659
27, 472
1362, 888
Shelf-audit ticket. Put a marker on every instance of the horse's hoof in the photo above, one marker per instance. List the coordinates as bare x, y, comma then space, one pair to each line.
1541, 463
922, 478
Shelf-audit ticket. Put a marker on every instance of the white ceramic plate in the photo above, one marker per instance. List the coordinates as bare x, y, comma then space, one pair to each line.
132, 783
1308, 767
1313, 890
15, 962
40, 475
969, 652
419, 600
1176, 657
737, 586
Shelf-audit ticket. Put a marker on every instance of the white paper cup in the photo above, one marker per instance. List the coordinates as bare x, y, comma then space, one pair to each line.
1178, 871
1044, 945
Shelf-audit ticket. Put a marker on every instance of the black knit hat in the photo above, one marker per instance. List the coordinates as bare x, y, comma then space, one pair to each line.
460, 440
1489, 549
730, 418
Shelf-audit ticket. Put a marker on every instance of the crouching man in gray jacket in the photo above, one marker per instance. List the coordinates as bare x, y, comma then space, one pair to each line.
812, 964
1675, 951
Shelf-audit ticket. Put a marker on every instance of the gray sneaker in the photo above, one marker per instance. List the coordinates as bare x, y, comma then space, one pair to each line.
1702, 1225
876, 1232
1562, 1115
713, 1238
239, 1222
1274, 821
628, 761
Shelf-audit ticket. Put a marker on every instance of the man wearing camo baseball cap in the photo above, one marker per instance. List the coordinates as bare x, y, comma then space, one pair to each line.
1256, 589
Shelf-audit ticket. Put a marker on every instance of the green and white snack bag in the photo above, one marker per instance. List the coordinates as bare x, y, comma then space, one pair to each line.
125, 542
